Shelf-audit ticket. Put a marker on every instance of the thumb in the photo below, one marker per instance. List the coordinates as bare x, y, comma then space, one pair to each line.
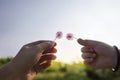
82, 42
44, 46
89, 43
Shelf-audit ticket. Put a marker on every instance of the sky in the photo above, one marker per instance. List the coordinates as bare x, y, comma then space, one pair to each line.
25, 21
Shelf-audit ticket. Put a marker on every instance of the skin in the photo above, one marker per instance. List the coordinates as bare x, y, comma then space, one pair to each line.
37, 56
31, 59
97, 54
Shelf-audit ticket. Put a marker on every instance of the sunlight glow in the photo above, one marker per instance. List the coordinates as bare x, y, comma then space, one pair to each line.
68, 51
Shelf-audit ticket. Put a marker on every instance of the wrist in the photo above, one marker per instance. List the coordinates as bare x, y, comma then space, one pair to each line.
26, 76
12, 71
18, 73
7, 72
119, 60
117, 65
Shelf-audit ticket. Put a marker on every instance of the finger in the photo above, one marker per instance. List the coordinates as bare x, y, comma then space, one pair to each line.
82, 42
40, 48
43, 66
90, 43
52, 50
38, 42
87, 49
88, 55
88, 61
47, 57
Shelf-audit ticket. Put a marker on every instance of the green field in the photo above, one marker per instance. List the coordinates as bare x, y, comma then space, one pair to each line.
74, 71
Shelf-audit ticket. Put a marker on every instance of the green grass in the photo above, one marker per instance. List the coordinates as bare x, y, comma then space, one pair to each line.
62, 71
75, 71
60, 76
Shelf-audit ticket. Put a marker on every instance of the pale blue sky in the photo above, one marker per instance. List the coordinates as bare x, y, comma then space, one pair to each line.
24, 21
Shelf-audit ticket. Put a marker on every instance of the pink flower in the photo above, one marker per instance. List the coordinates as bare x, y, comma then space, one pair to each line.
59, 35
69, 36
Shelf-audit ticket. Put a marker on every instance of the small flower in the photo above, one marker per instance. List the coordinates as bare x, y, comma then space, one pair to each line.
69, 36
59, 35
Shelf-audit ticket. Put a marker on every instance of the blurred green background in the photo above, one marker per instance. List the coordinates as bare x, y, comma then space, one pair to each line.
74, 71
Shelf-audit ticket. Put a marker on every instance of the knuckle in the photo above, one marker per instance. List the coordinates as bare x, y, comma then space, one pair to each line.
83, 49
83, 56
25, 47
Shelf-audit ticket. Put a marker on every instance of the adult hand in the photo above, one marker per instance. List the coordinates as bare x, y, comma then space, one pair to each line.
31, 59
98, 54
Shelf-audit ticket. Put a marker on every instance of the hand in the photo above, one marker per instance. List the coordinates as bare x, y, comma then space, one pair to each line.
33, 58
98, 54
